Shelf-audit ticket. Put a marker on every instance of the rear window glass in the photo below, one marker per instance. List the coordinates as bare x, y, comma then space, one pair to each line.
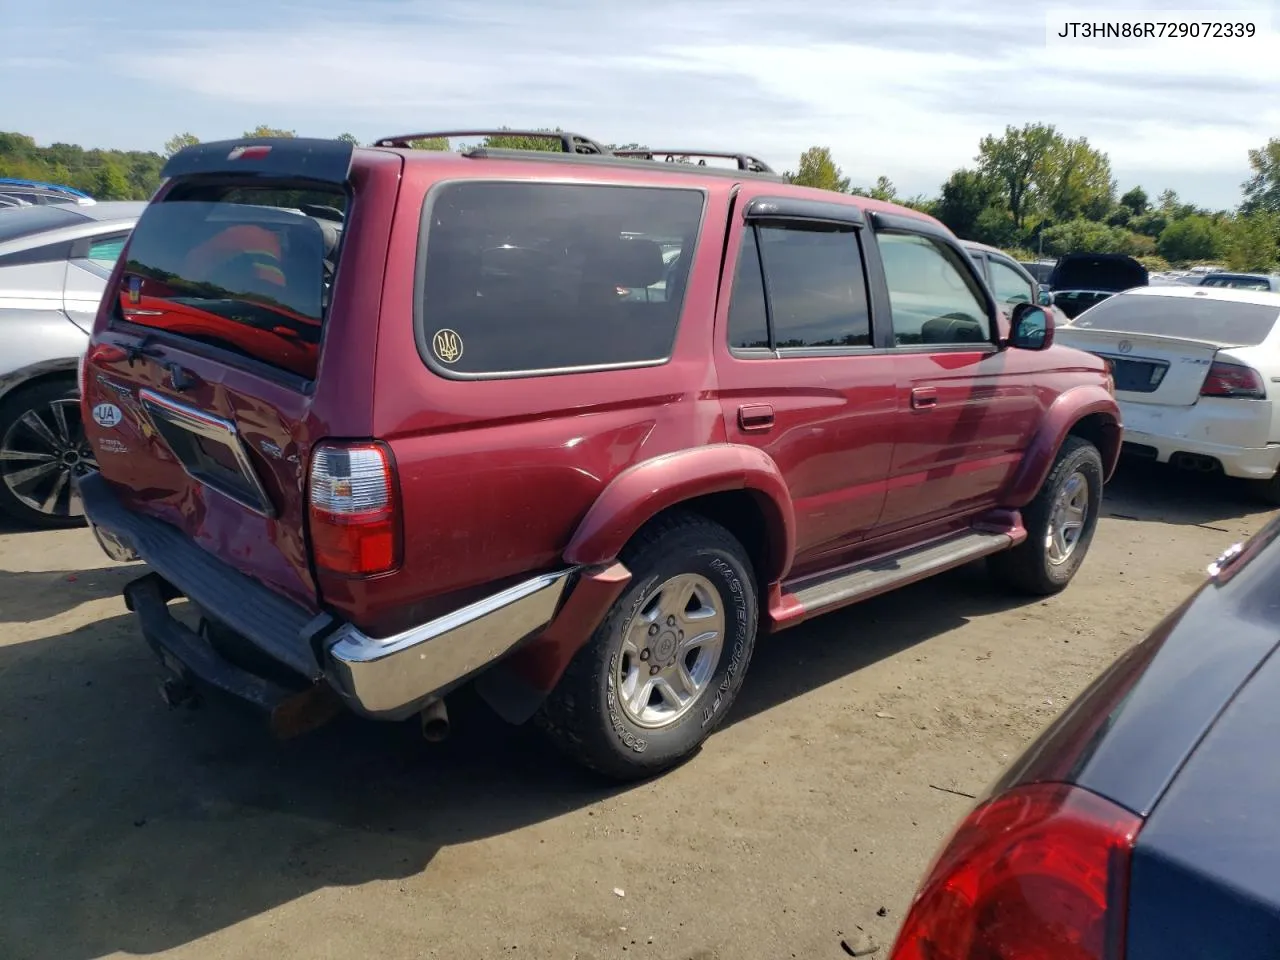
1238, 283
246, 269
1192, 318
29, 221
522, 278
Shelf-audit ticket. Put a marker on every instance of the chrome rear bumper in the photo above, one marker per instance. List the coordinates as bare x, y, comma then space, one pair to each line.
383, 678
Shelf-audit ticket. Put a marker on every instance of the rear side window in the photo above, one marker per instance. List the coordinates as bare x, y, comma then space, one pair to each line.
816, 290
1192, 318
537, 278
1238, 283
245, 269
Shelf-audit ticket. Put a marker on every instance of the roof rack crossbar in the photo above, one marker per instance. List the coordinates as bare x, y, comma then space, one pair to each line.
745, 161
569, 142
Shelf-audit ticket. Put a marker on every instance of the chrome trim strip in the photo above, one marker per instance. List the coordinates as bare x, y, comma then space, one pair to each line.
214, 428
392, 677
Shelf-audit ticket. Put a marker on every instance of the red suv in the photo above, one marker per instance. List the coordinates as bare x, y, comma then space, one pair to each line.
571, 425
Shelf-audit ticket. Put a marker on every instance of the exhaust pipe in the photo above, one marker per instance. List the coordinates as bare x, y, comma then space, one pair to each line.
435, 721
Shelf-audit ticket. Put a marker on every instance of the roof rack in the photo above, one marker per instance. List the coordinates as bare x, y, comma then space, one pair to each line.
745, 161
569, 142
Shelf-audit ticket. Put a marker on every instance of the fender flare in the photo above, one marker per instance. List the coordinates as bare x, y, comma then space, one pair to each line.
641, 492
1067, 410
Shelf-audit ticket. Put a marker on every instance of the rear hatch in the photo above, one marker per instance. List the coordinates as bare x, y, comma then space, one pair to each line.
1161, 347
201, 380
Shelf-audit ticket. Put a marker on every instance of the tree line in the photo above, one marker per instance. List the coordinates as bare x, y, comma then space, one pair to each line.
1036, 192
1031, 190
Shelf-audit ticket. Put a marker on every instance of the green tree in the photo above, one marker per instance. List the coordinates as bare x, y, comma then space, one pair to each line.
1136, 200
1253, 242
1195, 237
996, 227
109, 183
882, 189
350, 138
269, 132
440, 144
548, 144
179, 141
1262, 190
1074, 180
817, 169
964, 197
1015, 162
1089, 236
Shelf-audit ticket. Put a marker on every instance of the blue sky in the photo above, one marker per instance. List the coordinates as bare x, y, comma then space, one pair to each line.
904, 89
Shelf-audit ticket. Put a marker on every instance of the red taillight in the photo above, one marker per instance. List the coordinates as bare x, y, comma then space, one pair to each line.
1233, 380
1038, 873
353, 509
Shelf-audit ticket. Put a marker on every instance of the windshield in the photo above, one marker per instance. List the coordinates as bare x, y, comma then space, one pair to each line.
1189, 318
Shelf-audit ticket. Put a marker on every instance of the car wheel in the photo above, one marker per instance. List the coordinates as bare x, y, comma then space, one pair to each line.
660, 673
42, 447
1060, 523
1266, 491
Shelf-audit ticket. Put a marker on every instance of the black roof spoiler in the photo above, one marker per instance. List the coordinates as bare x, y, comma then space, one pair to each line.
328, 161
569, 142
744, 160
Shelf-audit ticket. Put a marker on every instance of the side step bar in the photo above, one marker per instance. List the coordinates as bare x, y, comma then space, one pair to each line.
850, 584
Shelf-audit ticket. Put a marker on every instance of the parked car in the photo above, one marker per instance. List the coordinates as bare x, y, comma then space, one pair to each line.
1242, 281
54, 264
1142, 823
401, 430
16, 192
1040, 270
1196, 370
1081, 280
1009, 279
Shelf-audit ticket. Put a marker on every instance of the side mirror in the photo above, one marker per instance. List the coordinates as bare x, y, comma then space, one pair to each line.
1031, 327
1046, 296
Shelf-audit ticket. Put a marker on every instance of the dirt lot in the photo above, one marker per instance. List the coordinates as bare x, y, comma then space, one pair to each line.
133, 830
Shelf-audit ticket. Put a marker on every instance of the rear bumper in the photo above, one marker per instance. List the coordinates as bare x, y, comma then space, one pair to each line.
383, 678
1232, 432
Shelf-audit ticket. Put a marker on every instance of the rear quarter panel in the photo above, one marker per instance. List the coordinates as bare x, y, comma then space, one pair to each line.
496, 475
37, 340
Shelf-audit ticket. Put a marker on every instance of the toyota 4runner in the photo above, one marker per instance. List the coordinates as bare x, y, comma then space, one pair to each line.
574, 426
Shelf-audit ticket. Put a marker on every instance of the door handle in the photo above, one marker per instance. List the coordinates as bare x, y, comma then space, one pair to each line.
755, 416
923, 397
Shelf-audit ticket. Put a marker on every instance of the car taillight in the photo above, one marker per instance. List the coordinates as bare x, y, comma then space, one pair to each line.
1038, 873
353, 509
1233, 380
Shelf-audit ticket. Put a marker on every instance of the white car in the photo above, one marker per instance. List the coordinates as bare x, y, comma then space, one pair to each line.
1197, 376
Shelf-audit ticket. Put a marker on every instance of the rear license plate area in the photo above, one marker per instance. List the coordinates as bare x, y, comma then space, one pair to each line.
1137, 376
210, 450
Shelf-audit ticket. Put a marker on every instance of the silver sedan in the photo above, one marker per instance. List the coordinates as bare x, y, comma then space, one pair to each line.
54, 265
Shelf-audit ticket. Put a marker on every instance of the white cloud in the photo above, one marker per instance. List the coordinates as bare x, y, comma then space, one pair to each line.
906, 90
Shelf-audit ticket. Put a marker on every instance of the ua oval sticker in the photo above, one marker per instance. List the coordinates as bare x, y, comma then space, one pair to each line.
106, 415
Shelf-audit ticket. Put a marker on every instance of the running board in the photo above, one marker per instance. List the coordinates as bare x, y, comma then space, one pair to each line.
850, 584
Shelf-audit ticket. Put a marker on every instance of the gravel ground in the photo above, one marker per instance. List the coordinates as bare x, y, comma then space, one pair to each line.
130, 829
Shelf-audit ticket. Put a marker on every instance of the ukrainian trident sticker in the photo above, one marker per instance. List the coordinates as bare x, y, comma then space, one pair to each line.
447, 346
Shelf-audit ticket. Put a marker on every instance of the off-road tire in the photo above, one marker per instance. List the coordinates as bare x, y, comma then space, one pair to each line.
1026, 568
33, 397
582, 715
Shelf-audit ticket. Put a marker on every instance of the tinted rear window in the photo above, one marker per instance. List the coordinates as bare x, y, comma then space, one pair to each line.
522, 278
244, 269
20, 222
1193, 318
1237, 282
